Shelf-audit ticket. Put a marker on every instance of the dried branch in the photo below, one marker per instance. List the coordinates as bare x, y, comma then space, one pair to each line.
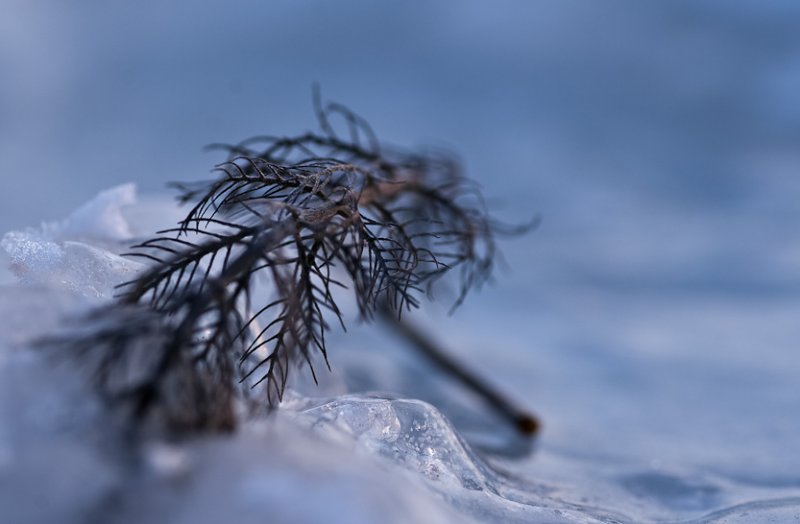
316, 214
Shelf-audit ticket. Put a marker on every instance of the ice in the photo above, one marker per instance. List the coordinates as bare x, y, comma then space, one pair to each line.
415, 436
62, 253
643, 422
99, 219
410, 432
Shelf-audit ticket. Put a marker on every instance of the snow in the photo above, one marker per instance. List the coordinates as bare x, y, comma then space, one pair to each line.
656, 407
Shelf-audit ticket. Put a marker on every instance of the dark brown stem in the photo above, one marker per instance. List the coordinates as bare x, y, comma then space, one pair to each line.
526, 423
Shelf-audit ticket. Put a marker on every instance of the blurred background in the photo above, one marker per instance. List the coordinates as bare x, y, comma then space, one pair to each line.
689, 103
654, 313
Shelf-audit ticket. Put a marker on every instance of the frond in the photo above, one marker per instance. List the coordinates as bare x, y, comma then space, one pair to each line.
315, 214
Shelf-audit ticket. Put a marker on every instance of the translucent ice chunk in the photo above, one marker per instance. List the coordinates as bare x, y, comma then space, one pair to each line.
411, 432
62, 254
100, 218
414, 436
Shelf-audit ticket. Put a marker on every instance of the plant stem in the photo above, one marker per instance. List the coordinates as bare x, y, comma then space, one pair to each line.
526, 423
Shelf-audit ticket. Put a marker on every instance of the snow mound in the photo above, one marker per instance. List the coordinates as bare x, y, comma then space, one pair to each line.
276, 472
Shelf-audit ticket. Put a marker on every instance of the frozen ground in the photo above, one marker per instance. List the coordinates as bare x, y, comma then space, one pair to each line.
673, 404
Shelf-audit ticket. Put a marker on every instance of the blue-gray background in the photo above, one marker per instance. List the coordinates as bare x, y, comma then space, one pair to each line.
683, 101
653, 318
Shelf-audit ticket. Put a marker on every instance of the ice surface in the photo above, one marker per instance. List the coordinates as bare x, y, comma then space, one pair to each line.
68, 253
658, 408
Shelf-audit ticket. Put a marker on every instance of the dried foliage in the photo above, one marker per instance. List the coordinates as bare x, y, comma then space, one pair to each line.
316, 215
